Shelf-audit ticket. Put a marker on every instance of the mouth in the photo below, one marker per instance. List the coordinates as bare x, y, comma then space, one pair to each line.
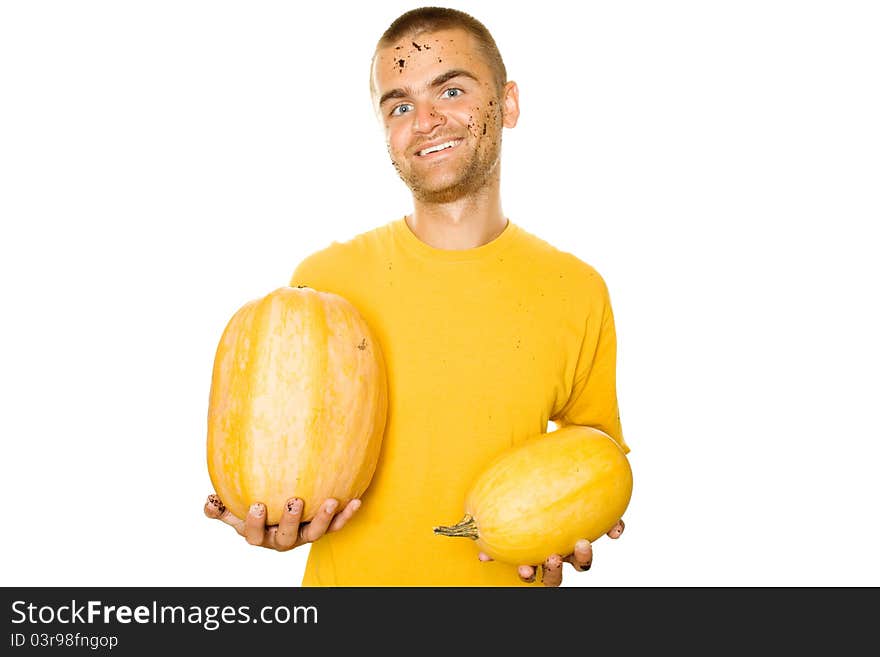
443, 147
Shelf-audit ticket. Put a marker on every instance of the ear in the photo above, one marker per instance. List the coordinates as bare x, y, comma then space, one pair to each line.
510, 104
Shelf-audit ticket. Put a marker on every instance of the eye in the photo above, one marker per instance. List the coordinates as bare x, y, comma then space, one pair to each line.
452, 93
403, 108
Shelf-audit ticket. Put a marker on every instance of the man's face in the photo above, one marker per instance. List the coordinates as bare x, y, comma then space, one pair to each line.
436, 89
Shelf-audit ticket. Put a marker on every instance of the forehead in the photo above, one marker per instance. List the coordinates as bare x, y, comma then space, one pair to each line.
416, 58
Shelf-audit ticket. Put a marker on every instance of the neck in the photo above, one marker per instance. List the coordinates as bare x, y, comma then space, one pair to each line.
464, 223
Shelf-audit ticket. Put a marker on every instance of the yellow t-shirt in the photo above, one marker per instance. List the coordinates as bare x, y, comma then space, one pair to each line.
483, 347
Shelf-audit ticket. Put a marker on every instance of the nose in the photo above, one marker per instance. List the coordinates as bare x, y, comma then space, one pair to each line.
427, 118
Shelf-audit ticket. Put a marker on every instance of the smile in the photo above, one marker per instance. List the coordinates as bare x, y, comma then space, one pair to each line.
446, 145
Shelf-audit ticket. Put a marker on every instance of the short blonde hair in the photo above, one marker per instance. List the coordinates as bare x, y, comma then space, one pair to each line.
432, 19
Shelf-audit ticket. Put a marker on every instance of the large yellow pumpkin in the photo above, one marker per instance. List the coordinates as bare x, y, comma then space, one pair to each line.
298, 403
541, 496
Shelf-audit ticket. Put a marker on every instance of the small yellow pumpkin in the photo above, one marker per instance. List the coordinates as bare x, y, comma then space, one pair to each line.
541, 496
298, 403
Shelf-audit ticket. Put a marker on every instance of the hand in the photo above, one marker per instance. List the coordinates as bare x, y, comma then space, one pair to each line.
551, 569
289, 532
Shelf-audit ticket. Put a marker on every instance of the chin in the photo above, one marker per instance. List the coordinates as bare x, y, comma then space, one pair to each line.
446, 194
446, 188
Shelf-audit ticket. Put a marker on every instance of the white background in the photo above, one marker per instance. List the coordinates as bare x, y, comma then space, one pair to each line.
163, 162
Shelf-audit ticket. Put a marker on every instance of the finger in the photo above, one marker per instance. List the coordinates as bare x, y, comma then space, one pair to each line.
288, 527
482, 556
551, 571
617, 530
215, 509
344, 516
582, 557
255, 524
318, 525
526, 573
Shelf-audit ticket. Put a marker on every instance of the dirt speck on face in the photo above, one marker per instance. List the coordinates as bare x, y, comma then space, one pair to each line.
401, 63
417, 46
363, 344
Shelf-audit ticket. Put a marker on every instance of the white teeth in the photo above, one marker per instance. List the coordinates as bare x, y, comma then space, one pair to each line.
439, 147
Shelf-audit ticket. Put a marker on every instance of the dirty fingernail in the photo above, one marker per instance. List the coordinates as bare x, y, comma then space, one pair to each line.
214, 501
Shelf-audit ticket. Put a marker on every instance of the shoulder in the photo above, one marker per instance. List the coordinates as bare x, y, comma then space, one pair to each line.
565, 267
341, 255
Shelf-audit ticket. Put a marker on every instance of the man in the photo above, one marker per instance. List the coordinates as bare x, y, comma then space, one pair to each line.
488, 332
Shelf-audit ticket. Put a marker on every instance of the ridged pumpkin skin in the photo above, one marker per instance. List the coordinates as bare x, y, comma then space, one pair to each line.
541, 496
298, 403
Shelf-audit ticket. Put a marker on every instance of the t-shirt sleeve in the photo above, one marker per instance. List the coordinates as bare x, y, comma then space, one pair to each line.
593, 398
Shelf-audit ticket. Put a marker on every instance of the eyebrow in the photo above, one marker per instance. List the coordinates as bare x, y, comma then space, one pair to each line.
436, 82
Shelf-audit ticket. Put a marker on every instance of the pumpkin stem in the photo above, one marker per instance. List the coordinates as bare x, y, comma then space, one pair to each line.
465, 527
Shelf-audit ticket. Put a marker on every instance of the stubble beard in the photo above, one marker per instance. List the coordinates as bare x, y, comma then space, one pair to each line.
473, 176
